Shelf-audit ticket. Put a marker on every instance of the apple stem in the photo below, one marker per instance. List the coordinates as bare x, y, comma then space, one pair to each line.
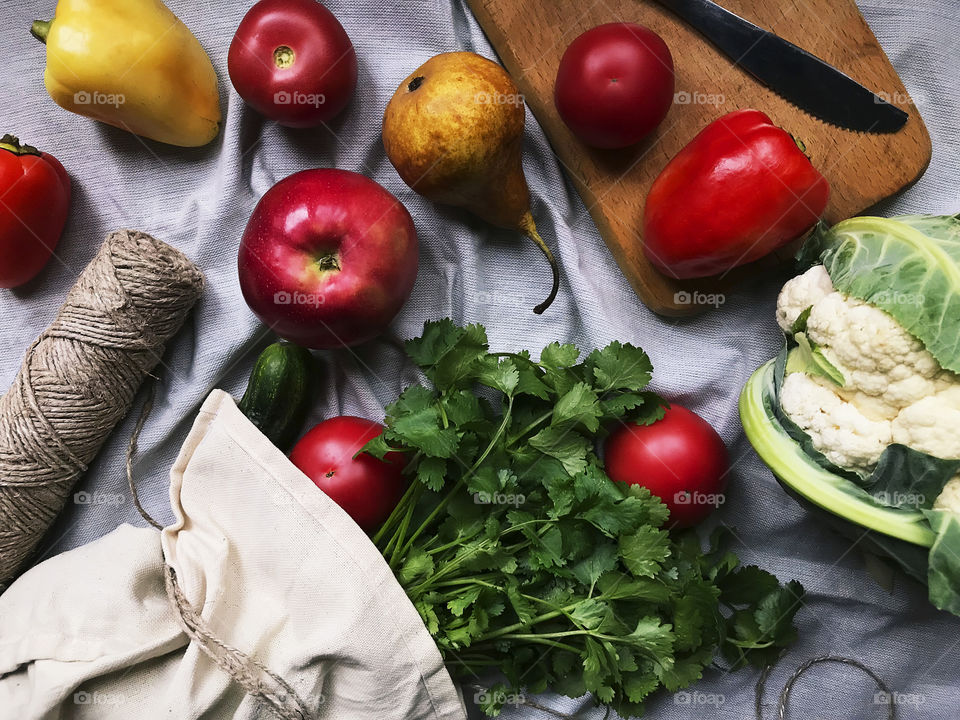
529, 228
328, 262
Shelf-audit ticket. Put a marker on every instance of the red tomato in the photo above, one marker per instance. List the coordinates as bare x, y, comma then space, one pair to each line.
366, 488
34, 202
615, 84
681, 459
292, 61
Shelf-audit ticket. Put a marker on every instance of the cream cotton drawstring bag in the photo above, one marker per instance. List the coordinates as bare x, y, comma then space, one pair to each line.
291, 596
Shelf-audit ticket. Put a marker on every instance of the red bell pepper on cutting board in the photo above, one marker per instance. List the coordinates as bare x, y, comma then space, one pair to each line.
34, 201
739, 190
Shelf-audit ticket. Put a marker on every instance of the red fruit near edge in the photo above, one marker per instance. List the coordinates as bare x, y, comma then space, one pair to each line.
34, 203
738, 191
615, 84
328, 258
681, 459
292, 61
368, 489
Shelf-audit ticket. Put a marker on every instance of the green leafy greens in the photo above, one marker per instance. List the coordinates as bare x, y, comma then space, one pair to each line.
908, 266
524, 559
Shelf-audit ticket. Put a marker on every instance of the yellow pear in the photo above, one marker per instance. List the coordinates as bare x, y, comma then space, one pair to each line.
454, 131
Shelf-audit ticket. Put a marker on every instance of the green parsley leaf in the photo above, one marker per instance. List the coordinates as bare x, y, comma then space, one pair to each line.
556, 356
578, 405
644, 550
570, 448
620, 366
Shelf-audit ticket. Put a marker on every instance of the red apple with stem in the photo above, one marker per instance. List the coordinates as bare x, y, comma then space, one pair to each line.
328, 258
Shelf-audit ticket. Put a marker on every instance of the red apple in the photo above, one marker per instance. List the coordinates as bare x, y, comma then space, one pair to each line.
328, 258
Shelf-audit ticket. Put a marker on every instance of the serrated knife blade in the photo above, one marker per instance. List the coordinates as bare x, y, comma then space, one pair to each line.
801, 78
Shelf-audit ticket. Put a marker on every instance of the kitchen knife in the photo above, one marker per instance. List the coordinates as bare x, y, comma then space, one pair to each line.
799, 77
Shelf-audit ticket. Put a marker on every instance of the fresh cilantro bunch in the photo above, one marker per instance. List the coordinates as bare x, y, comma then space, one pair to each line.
524, 559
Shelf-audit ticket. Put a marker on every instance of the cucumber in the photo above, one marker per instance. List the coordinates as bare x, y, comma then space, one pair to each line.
278, 394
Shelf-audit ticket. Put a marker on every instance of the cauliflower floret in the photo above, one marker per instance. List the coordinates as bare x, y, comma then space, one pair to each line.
932, 425
949, 499
838, 429
886, 368
800, 293
894, 390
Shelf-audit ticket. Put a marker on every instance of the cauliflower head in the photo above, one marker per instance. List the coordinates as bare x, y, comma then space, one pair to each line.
894, 390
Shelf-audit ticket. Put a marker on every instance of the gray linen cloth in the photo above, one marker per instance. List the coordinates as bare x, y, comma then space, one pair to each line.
199, 200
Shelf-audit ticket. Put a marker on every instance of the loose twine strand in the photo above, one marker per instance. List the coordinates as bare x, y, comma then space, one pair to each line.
800, 671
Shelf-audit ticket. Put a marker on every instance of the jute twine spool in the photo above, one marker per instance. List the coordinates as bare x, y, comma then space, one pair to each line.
79, 379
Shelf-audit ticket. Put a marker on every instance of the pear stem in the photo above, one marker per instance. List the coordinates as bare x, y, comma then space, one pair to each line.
529, 228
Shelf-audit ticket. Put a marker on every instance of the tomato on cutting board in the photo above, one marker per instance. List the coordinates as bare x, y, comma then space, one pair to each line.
615, 84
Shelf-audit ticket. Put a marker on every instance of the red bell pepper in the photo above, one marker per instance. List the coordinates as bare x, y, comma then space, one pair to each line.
34, 201
739, 190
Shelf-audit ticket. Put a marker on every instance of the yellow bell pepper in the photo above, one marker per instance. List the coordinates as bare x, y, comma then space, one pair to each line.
132, 64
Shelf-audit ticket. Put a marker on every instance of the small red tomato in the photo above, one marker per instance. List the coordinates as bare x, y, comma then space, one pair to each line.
681, 459
291, 60
368, 489
615, 84
34, 202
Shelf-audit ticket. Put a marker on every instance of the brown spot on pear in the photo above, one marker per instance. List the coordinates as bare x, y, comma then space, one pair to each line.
454, 132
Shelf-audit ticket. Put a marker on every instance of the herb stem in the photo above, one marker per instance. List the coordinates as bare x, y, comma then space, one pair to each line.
401, 533
414, 489
543, 641
463, 480
523, 433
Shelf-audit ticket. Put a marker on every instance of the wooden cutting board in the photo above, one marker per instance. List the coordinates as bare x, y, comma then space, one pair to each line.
531, 35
